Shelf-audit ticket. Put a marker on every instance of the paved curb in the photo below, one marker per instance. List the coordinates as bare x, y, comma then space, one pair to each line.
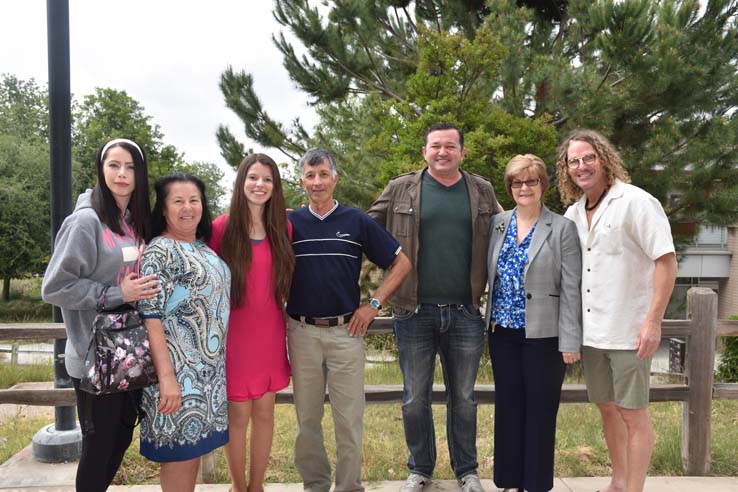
579, 484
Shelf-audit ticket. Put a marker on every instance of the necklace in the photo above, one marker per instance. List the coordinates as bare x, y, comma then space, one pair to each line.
589, 208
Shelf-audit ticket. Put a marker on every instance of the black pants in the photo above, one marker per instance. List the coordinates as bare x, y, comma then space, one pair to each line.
107, 430
528, 378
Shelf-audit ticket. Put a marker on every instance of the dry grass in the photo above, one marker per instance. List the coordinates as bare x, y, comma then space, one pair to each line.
16, 433
580, 449
11, 375
25, 304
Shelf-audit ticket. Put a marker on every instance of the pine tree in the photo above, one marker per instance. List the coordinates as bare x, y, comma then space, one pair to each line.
379, 73
657, 77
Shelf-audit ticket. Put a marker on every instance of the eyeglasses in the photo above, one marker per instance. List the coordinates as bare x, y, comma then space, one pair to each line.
530, 183
587, 160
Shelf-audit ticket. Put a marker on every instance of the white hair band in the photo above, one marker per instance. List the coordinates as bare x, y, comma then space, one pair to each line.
118, 141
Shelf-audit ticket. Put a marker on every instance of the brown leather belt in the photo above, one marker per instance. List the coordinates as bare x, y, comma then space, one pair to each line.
324, 322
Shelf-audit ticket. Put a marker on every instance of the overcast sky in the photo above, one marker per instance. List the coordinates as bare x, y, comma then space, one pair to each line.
166, 54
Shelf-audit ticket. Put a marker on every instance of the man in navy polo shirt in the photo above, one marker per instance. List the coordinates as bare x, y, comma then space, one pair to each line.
326, 325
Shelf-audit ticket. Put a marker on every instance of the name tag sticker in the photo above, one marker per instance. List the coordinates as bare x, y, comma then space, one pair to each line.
130, 253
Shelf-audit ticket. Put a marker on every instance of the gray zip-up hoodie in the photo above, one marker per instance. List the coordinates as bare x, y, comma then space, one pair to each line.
87, 257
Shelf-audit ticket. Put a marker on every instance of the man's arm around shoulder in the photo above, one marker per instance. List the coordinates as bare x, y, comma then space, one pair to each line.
365, 314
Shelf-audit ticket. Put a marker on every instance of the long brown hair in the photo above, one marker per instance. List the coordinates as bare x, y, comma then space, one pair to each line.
236, 243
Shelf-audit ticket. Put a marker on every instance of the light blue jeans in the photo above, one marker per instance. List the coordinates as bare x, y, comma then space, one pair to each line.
456, 332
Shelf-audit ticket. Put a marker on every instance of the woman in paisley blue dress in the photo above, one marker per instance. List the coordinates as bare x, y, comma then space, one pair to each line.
535, 326
186, 414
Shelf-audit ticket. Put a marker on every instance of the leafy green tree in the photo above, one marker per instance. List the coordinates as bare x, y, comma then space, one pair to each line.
24, 220
379, 74
24, 173
111, 113
658, 78
23, 109
212, 176
24, 164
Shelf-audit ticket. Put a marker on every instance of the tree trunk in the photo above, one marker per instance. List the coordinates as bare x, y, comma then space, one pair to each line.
6, 289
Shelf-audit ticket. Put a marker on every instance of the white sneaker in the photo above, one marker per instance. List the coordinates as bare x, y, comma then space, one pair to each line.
471, 483
415, 483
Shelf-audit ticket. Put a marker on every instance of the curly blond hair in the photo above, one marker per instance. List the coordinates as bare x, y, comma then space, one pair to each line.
611, 162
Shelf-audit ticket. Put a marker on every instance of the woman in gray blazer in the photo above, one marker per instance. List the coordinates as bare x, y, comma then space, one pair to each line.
534, 317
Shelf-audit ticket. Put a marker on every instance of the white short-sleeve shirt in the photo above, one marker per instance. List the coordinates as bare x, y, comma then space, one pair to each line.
629, 232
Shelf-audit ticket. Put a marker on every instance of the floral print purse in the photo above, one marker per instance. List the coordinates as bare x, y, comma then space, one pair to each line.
118, 358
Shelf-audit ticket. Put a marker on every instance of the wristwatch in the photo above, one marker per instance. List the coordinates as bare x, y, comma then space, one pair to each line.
374, 302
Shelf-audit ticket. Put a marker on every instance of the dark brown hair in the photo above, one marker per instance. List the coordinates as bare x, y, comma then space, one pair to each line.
161, 187
104, 204
443, 126
236, 244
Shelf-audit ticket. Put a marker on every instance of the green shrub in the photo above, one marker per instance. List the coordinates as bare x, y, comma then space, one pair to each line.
728, 369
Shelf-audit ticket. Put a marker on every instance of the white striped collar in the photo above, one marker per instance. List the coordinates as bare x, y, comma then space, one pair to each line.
323, 217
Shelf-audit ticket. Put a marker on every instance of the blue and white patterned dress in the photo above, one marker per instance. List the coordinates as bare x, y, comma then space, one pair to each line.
193, 306
508, 292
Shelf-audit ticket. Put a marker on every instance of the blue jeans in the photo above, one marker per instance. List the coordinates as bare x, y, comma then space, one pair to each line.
456, 332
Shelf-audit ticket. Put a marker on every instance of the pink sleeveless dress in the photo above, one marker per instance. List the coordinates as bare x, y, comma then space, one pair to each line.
256, 344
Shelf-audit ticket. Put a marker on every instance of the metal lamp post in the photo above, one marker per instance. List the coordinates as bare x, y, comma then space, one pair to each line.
62, 440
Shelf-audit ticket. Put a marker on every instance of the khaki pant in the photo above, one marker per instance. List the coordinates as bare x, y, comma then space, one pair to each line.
327, 357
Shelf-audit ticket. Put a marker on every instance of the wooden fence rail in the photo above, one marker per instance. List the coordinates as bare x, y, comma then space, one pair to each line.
701, 331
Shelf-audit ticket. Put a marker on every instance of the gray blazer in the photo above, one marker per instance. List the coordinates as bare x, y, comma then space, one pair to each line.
552, 278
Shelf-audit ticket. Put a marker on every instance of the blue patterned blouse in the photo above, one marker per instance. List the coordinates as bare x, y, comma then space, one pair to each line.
508, 294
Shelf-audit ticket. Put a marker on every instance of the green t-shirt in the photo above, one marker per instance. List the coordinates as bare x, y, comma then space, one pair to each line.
444, 256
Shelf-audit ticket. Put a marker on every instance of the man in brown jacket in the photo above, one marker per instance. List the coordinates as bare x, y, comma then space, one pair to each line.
436, 309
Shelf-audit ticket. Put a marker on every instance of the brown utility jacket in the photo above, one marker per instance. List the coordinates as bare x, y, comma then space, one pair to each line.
398, 210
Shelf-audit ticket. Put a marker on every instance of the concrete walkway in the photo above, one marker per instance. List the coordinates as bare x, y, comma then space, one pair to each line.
23, 473
653, 484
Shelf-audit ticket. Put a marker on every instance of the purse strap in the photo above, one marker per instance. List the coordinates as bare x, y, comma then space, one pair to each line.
101, 300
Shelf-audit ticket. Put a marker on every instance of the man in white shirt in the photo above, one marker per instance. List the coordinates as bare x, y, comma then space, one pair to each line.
628, 272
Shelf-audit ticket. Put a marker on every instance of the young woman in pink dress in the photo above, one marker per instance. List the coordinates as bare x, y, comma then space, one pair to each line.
254, 240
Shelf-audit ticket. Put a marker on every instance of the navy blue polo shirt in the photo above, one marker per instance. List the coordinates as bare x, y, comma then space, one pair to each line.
328, 252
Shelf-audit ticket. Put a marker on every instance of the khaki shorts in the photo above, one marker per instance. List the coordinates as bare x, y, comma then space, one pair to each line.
617, 376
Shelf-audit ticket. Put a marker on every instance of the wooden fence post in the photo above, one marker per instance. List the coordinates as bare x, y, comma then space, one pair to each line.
702, 310
14, 354
207, 468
